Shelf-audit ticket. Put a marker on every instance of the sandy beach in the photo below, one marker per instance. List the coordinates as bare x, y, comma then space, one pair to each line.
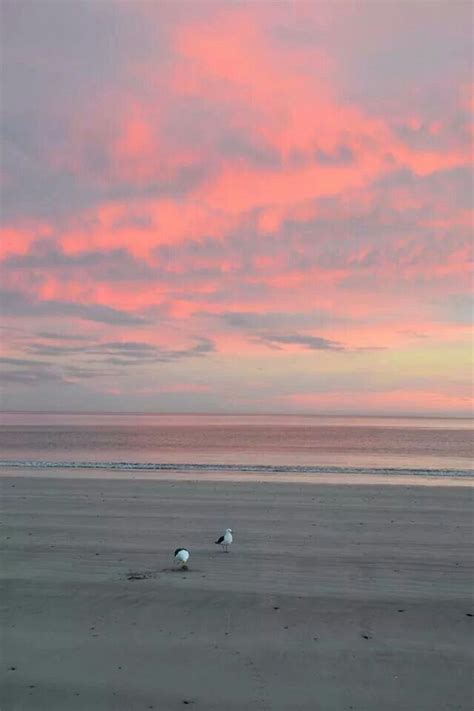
331, 598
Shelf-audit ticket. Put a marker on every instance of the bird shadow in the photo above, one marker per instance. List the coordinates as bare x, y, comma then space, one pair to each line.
152, 574
141, 574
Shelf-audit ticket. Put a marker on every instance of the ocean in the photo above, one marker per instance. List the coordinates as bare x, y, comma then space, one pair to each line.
231, 446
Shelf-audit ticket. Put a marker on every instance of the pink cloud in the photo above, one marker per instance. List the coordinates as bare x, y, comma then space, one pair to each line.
248, 160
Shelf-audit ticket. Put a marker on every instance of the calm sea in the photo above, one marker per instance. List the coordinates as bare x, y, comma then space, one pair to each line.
232, 445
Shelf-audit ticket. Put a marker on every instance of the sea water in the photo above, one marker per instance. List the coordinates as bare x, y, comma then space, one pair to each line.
232, 445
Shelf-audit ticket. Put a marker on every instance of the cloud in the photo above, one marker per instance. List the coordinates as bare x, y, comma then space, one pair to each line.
32, 376
244, 171
340, 156
265, 320
145, 352
36, 372
61, 336
456, 308
18, 361
117, 352
312, 343
50, 350
35, 190
15, 303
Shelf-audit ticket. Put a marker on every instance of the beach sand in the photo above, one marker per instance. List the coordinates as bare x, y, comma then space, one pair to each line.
331, 597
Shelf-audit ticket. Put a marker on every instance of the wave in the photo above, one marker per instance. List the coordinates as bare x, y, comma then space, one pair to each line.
237, 468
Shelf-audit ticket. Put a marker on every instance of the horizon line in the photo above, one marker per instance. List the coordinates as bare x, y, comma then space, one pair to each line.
237, 414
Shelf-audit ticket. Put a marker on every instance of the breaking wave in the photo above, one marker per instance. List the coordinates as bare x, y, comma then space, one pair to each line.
236, 468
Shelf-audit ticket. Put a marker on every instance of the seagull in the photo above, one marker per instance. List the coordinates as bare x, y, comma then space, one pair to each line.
181, 556
225, 540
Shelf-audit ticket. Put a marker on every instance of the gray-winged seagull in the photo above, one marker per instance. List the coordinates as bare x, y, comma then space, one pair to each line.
181, 556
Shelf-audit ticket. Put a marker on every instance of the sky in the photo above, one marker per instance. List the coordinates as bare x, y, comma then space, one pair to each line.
259, 207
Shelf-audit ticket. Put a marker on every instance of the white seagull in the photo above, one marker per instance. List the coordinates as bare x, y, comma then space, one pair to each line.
225, 540
181, 556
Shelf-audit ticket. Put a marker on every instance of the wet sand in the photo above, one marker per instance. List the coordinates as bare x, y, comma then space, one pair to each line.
331, 598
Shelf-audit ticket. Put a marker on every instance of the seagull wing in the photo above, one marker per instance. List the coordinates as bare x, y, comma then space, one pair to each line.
220, 540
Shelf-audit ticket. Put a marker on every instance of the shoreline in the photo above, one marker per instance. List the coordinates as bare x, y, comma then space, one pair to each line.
105, 474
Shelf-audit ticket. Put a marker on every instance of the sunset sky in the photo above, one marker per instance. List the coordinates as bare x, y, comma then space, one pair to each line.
237, 207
